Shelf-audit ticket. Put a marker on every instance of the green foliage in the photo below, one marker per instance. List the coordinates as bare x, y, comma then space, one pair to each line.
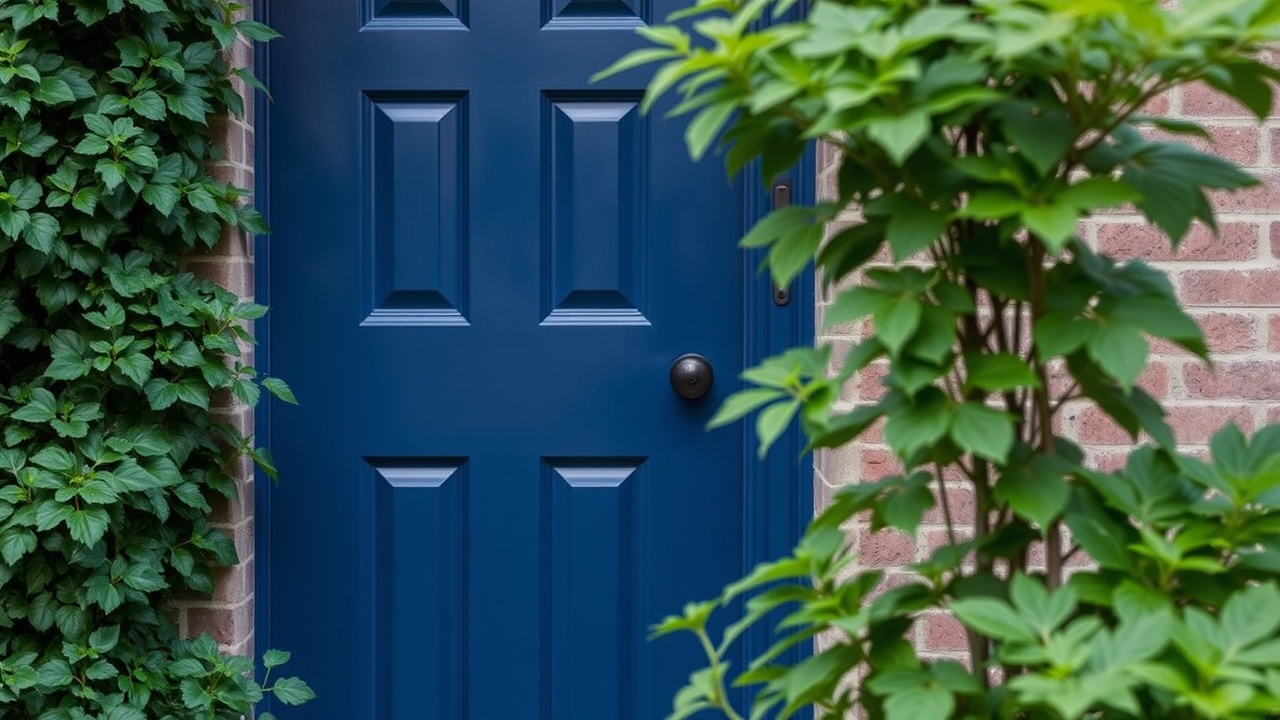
113, 359
973, 136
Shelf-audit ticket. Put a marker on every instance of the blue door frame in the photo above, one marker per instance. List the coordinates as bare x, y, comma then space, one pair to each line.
780, 502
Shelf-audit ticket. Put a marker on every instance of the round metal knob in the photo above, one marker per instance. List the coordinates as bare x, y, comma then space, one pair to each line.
691, 376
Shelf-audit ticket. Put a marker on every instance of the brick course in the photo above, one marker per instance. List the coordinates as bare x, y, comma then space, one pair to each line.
228, 615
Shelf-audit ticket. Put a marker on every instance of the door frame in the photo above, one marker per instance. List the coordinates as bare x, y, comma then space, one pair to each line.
778, 502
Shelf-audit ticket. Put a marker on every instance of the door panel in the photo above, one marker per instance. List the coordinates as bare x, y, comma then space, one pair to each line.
480, 271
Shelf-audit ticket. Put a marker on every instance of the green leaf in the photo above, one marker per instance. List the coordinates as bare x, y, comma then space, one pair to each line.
1060, 334
1097, 192
41, 409
983, 431
41, 232
915, 227
136, 367
904, 502
1120, 350
53, 91
896, 320
1054, 223
1042, 133
292, 691
1036, 490
705, 128
741, 403
275, 658
256, 31
772, 422
105, 638
149, 105
914, 427
920, 703
993, 618
901, 135
15, 542
792, 252
279, 389
999, 371
88, 525
994, 205
55, 459
54, 674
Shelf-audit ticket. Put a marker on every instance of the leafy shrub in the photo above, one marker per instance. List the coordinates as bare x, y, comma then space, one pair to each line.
973, 137
111, 357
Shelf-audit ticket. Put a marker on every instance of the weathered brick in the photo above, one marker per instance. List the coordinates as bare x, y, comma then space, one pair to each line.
1235, 241
887, 548
228, 624
1234, 380
1195, 424
1202, 101
1235, 288
942, 633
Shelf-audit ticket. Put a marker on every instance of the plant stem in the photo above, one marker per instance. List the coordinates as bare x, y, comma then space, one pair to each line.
1044, 410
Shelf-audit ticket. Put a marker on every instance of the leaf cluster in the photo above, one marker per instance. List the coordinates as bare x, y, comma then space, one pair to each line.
114, 361
972, 137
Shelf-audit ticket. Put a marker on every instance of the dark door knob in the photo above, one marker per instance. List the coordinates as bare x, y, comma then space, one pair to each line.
691, 376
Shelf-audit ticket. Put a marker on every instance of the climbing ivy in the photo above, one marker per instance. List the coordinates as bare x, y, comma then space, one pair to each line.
113, 358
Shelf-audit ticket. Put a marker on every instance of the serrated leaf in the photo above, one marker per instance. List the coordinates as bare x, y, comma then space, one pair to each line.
53, 91
279, 389
292, 691
87, 526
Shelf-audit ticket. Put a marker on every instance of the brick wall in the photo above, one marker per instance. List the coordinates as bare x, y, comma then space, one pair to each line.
228, 615
1230, 284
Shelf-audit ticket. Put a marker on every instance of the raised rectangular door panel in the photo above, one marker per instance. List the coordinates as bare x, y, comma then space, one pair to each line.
595, 251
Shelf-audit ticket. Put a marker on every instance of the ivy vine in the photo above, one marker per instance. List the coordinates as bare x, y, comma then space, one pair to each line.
111, 357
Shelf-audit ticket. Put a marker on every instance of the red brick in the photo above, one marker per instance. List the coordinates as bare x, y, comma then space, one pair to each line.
1155, 379
942, 633
1106, 460
1095, 427
887, 548
962, 505
1273, 334
1234, 380
1224, 332
1262, 199
1202, 101
1240, 288
871, 381
1230, 332
227, 625
1196, 424
1240, 144
877, 464
1235, 241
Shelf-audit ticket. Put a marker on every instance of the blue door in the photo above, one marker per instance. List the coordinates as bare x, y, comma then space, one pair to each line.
481, 271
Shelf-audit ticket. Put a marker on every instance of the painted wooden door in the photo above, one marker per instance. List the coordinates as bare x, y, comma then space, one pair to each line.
481, 270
